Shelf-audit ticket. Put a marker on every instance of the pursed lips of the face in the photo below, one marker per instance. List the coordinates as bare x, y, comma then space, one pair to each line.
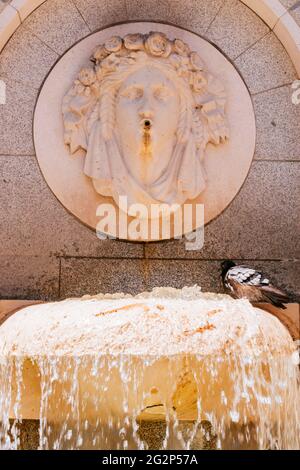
146, 124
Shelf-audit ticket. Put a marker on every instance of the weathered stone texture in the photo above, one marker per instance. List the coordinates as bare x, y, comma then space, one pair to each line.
46, 253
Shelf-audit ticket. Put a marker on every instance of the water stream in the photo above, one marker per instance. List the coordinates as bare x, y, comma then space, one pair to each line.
101, 402
167, 369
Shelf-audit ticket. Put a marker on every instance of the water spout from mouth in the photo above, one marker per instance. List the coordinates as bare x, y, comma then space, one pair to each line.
146, 147
147, 124
97, 372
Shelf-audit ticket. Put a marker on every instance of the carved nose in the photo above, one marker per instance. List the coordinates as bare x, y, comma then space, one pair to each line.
146, 114
146, 108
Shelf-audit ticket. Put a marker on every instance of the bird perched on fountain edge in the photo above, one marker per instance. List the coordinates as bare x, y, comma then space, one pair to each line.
245, 282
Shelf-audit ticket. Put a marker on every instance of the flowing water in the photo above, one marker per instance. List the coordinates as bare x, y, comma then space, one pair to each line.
116, 401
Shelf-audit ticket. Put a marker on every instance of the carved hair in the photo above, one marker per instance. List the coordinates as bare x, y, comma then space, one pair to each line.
93, 95
109, 91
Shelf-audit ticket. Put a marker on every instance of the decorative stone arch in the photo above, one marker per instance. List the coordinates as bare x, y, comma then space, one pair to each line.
272, 12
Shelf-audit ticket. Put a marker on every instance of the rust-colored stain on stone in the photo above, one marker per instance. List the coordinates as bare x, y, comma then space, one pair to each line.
125, 307
214, 312
201, 329
153, 315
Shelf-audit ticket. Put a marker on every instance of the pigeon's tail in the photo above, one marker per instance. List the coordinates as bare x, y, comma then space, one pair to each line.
276, 296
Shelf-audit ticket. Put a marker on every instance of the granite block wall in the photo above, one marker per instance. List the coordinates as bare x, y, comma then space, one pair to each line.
45, 253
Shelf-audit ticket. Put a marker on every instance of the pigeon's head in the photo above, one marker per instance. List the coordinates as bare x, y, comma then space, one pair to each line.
226, 265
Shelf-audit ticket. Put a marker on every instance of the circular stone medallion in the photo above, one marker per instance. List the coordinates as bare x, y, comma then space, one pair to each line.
141, 116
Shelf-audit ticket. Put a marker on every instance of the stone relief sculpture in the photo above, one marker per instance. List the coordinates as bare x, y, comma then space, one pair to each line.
144, 113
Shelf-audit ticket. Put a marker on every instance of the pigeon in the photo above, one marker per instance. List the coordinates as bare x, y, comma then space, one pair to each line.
245, 282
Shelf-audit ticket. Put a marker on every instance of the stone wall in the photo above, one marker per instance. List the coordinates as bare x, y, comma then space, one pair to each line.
46, 253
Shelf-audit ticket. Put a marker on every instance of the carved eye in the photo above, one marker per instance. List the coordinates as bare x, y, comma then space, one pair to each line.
132, 93
162, 93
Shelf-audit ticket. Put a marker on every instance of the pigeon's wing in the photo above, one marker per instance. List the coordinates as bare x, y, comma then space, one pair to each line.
275, 295
246, 277
254, 285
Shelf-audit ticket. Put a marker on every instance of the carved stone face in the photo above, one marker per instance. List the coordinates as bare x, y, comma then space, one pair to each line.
147, 110
144, 113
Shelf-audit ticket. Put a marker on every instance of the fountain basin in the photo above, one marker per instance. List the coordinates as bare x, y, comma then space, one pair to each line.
111, 361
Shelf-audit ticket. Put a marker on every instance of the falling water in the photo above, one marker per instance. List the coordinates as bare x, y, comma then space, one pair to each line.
233, 400
100, 402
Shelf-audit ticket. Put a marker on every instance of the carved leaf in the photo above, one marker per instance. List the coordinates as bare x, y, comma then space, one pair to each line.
78, 106
213, 110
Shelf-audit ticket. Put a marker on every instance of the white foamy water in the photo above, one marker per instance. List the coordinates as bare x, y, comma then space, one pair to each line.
96, 372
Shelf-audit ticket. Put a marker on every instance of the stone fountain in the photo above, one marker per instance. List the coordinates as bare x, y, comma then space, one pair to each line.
164, 120
109, 371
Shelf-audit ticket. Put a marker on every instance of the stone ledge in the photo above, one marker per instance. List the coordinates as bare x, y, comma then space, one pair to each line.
9, 22
268, 10
13, 15
290, 317
281, 23
9, 307
288, 32
25, 7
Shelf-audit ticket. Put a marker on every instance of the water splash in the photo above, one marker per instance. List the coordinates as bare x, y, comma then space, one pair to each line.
107, 402
170, 369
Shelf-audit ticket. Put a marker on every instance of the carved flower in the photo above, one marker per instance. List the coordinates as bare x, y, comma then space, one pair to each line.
158, 45
136, 56
182, 64
181, 47
196, 62
199, 81
134, 42
110, 63
79, 105
100, 53
99, 73
78, 88
82, 90
113, 44
175, 60
87, 76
